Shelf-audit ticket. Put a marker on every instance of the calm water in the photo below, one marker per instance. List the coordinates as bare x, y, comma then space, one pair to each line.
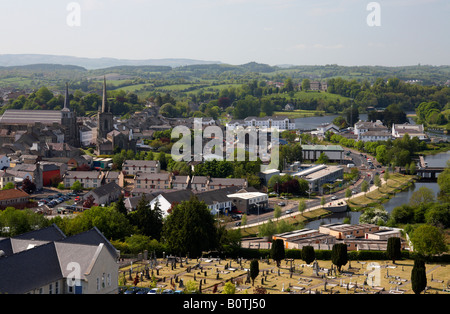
399, 199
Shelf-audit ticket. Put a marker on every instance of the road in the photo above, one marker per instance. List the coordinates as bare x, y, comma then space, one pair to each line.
366, 174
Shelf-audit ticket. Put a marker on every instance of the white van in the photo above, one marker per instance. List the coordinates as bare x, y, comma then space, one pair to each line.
351, 166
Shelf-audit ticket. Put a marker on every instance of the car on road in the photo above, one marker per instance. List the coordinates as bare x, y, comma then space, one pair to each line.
238, 224
334, 198
281, 204
289, 211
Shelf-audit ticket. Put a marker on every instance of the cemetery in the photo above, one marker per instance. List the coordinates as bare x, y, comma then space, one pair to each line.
209, 275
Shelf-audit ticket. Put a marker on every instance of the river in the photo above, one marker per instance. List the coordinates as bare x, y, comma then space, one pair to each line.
438, 160
313, 122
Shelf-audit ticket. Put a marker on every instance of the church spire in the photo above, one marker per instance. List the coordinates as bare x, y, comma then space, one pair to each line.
66, 99
104, 95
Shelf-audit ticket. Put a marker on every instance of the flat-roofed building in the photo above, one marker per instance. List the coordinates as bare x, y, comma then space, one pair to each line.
347, 231
319, 175
335, 153
249, 201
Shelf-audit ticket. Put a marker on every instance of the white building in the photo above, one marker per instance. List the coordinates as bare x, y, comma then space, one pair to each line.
279, 123
133, 167
399, 131
319, 175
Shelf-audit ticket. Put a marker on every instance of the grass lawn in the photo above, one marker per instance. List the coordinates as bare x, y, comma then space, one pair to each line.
296, 220
395, 184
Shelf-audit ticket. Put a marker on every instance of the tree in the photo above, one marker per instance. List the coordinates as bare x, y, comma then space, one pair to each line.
302, 206
277, 212
308, 254
428, 240
306, 85
423, 195
323, 159
89, 202
190, 228
394, 247
120, 205
148, 220
76, 186
348, 193
254, 270
377, 181
28, 186
339, 255
229, 288
365, 186
9, 186
277, 251
418, 276
387, 176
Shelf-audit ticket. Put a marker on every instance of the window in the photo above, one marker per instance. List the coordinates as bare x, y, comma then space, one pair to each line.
57, 287
98, 284
109, 280
50, 289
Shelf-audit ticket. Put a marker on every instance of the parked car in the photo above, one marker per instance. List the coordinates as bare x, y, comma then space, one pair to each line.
281, 204
153, 291
167, 291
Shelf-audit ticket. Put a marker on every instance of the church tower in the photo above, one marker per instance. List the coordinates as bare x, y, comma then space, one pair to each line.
105, 118
69, 122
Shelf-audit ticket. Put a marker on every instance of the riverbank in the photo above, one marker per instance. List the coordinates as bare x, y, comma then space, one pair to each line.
396, 183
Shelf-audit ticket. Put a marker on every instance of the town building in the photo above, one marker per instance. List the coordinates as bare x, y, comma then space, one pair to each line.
152, 181
400, 130
132, 167
347, 231
318, 175
335, 153
13, 198
249, 202
88, 179
6, 178
64, 120
45, 262
280, 123
105, 194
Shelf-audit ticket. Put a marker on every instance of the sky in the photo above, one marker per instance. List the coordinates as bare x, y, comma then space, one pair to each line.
275, 32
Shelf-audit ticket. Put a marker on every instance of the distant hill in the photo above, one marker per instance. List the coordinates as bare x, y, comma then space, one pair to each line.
9, 60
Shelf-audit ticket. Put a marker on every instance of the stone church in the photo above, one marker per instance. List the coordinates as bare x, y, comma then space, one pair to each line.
63, 121
109, 139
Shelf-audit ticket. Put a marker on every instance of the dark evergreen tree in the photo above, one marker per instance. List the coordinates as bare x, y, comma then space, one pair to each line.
394, 247
339, 255
418, 276
308, 254
277, 251
254, 270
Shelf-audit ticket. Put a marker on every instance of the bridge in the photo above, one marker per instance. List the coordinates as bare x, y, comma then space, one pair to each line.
428, 173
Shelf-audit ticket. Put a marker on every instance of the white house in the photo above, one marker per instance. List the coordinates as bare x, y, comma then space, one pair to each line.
399, 131
167, 200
